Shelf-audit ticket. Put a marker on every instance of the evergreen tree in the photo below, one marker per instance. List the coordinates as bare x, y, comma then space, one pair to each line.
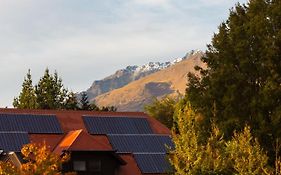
50, 92
108, 108
27, 97
71, 101
94, 107
84, 103
242, 82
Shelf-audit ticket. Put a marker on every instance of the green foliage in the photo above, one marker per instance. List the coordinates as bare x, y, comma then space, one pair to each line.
84, 103
214, 155
71, 101
162, 110
27, 97
242, 82
108, 108
94, 107
49, 93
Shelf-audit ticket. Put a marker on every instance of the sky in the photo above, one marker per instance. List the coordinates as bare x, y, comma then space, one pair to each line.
87, 40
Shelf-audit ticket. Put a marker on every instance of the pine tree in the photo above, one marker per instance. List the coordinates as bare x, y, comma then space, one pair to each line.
84, 103
94, 107
71, 101
107, 108
27, 97
50, 92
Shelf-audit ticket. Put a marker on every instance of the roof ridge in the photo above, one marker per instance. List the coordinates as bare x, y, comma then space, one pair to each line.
69, 111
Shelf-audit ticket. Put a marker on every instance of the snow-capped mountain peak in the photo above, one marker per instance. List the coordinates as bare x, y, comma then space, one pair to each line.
155, 66
124, 76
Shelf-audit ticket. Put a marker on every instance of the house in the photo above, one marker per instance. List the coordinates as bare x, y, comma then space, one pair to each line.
100, 143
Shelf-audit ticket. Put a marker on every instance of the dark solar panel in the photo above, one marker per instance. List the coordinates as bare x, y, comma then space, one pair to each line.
13, 141
117, 125
141, 143
44, 124
153, 163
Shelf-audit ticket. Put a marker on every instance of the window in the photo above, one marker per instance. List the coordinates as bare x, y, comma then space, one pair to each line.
94, 165
79, 165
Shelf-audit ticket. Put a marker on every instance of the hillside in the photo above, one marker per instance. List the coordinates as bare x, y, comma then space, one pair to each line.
169, 81
125, 76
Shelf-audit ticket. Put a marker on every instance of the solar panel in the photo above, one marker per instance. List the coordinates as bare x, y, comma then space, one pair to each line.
117, 125
153, 163
151, 143
13, 141
43, 124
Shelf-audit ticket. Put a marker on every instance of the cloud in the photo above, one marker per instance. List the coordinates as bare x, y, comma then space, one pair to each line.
153, 2
89, 39
223, 3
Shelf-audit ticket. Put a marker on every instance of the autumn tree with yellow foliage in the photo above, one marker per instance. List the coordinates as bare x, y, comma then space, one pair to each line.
39, 160
195, 154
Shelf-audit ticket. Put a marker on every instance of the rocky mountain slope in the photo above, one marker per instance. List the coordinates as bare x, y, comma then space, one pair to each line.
124, 76
141, 89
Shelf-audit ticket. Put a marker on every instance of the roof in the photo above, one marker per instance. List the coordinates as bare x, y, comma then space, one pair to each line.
70, 130
30, 123
67, 141
79, 140
13, 141
72, 120
140, 143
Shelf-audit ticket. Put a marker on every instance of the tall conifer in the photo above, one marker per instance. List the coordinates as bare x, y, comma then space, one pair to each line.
242, 83
84, 102
27, 97
50, 92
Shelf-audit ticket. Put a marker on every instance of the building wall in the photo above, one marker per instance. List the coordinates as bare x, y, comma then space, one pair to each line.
96, 163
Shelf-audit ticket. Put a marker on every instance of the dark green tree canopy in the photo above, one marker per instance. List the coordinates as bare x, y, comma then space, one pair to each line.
49, 93
242, 83
84, 102
71, 101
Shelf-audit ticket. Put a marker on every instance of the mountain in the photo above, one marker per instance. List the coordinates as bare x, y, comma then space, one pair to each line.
124, 76
169, 80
